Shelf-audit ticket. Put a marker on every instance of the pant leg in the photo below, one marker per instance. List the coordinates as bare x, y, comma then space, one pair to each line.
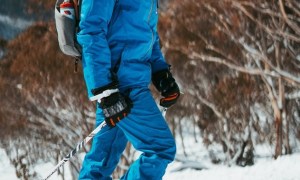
148, 132
107, 147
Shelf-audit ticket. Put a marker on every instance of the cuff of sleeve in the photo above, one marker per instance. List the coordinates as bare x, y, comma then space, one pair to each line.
104, 94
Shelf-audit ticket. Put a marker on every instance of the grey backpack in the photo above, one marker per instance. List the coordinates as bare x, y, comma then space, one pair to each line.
67, 28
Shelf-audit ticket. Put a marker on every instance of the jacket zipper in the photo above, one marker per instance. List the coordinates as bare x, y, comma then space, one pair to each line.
151, 9
152, 37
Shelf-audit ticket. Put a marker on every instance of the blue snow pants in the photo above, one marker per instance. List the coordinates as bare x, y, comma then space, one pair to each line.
148, 132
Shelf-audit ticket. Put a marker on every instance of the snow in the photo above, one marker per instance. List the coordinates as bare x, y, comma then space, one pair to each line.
6, 169
195, 155
284, 168
192, 155
266, 168
44, 169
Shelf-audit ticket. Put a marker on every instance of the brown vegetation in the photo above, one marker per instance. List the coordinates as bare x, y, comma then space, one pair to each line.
233, 58
42, 99
237, 63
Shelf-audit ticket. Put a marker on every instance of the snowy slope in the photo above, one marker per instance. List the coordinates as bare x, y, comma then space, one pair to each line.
265, 168
284, 168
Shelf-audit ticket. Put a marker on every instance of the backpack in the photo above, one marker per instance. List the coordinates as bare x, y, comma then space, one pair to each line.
66, 30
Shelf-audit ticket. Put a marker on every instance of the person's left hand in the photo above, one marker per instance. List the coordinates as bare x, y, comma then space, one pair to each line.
166, 84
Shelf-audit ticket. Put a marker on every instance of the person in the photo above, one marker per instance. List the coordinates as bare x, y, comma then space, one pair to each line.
120, 57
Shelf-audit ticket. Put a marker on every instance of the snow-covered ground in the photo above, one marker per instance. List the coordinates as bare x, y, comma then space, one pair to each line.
265, 168
284, 168
194, 154
6, 169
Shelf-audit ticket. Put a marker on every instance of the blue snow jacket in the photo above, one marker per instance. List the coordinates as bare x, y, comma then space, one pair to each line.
122, 35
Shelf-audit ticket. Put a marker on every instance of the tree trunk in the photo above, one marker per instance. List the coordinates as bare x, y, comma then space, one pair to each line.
278, 119
278, 125
281, 113
287, 140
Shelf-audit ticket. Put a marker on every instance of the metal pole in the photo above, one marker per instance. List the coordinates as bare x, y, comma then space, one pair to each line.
82, 143
75, 150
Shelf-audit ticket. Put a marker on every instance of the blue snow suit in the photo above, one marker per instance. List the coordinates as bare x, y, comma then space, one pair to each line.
121, 35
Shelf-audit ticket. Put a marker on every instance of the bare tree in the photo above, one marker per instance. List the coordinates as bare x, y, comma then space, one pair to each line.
258, 42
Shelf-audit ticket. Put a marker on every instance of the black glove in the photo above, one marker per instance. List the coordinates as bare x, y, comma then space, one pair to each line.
166, 84
115, 106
